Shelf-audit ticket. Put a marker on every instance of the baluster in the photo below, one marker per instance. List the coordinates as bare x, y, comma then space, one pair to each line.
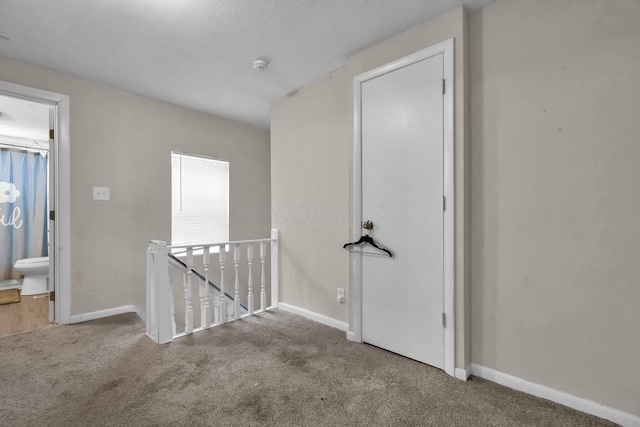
188, 312
205, 306
223, 298
236, 300
159, 299
263, 290
173, 308
275, 281
250, 284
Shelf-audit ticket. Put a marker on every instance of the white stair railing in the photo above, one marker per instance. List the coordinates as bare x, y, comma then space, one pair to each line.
169, 318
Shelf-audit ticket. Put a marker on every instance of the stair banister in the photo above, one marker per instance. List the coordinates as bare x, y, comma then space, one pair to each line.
216, 305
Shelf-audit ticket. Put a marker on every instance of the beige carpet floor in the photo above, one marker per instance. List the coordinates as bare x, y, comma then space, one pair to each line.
272, 369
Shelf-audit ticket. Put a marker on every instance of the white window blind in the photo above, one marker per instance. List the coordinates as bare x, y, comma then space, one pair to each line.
199, 200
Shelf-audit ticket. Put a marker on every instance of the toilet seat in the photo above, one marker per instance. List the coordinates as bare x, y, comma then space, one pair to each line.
32, 262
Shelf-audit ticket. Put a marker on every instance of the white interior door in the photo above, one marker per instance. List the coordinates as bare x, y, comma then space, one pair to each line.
402, 194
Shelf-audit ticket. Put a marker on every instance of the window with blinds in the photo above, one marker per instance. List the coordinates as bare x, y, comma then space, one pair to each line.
199, 200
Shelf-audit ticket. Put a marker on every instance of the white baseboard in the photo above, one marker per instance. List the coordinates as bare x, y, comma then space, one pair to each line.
566, 399
463, 374
320, 318
77, 318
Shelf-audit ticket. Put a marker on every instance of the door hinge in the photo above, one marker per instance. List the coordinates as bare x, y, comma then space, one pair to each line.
52, 296
443, 86
444, 320
51, 133
444, 203
52, 215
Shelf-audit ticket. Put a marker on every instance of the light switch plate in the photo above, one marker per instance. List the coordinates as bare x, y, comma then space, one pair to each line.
101, 193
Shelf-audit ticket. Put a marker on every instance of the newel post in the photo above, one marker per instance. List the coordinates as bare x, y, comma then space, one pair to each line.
274, 268
159, 298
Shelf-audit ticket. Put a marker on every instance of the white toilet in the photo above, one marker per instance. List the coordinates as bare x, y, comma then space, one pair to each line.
36, 274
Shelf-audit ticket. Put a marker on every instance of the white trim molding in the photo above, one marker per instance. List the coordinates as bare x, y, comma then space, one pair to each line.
320, 318
446, 48
84, 317
463, 374
557, 396
61, 202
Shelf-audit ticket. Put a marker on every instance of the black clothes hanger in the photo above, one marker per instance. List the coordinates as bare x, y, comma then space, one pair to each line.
368, 239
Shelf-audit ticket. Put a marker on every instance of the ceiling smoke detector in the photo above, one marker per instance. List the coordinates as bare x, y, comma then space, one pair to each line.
260, 65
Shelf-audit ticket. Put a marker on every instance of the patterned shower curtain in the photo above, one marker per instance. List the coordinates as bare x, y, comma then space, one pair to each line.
23, 208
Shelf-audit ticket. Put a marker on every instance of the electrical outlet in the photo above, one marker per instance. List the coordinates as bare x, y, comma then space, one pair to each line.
340, 295
100, 193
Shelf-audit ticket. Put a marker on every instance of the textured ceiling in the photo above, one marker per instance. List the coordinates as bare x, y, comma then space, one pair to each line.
23, 121
199, 53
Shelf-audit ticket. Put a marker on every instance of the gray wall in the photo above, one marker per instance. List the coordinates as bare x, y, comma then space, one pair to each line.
310, 163
555, 107
553, 97
123, 141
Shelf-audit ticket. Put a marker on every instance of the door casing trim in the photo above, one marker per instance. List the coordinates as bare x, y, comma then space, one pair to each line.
446, 48
62, 194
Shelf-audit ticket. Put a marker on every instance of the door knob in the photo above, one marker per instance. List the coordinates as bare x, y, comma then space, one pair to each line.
367, 225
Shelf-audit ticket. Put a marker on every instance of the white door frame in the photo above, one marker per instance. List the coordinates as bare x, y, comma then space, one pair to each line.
62, 194
447, 49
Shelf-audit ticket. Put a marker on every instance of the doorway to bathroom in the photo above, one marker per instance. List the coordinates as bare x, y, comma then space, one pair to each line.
24, 226
34, 218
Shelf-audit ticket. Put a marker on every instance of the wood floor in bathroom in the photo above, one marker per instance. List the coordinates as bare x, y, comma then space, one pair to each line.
31, 312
